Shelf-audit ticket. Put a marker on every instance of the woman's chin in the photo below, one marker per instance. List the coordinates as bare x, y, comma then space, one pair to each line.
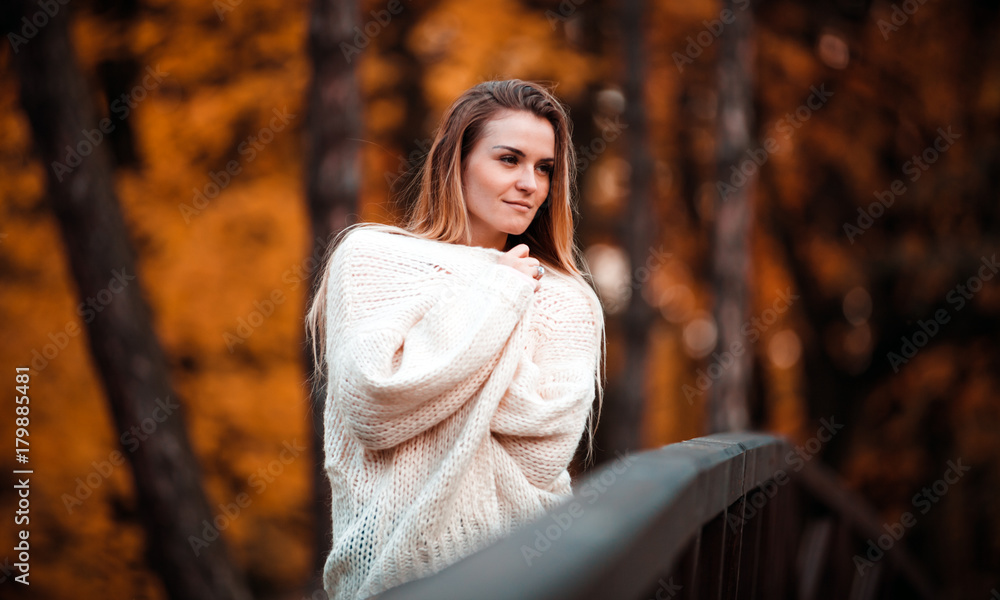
518, 228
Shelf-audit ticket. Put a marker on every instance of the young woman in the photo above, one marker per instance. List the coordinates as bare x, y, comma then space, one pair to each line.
462, 351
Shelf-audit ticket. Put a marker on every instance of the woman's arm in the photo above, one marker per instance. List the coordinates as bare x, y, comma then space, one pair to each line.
408, 334
541, 418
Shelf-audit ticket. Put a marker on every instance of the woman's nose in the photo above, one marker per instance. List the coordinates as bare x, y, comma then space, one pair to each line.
526, 181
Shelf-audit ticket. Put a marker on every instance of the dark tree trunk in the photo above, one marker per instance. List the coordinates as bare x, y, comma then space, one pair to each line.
413, 136
731, 236
623, 424
128, 357
333, 180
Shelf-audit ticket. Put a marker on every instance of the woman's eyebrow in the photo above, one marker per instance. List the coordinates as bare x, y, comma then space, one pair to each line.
519, 153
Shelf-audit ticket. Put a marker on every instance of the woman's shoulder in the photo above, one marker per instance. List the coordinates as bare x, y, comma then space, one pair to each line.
376, 241
373, 233
569, 313
565, 296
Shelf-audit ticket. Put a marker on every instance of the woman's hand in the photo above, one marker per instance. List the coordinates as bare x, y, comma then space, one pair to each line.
518, 259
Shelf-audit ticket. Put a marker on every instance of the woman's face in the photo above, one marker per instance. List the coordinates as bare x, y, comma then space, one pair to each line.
507, 175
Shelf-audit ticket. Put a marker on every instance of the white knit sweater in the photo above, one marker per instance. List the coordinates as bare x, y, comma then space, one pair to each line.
457, 397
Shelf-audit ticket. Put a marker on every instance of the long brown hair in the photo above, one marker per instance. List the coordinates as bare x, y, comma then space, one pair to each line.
439, 211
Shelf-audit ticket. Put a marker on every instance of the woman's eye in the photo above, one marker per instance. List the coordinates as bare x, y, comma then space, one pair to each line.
547, 169
509, 159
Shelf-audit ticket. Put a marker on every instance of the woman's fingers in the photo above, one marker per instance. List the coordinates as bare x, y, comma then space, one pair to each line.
517, 257
519, 251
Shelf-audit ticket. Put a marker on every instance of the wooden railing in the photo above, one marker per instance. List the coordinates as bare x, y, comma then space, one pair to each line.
724, 516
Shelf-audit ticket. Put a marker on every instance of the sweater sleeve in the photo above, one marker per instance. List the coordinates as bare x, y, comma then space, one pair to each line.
411, 335
542, 416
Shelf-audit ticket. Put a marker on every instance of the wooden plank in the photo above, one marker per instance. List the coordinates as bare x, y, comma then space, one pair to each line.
813, 556
688, 570
841, 568
732, 550
712, 559
865, 587
750, 554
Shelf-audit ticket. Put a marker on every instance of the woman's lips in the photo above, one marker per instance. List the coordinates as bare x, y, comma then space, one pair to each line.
519, 207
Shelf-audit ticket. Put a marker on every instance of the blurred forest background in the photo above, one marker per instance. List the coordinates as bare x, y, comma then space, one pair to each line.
853, 257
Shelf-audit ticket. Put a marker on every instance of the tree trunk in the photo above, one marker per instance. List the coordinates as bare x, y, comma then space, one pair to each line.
129, 360
333, 179
731, 244
623, 424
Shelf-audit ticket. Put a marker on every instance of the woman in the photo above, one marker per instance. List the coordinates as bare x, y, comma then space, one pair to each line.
462, 351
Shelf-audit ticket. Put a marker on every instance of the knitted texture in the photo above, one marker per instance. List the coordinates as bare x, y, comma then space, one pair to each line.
457, 397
